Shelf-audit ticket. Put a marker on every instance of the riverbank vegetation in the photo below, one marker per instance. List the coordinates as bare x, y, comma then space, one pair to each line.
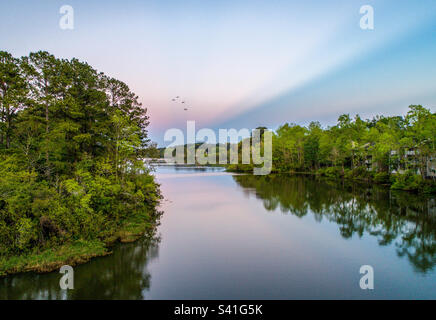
397, 151
72, 179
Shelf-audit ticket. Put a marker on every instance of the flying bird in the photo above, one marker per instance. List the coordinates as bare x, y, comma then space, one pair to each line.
174, 99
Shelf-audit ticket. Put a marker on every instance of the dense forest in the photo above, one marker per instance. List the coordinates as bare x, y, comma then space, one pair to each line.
71, 171
399, 151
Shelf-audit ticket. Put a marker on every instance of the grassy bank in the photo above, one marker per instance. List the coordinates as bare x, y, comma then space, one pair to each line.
76, 252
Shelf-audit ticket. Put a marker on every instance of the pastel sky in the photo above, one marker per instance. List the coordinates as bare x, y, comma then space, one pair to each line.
243, 63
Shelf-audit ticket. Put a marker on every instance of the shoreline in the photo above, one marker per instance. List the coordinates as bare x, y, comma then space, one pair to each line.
75, 253
386, 182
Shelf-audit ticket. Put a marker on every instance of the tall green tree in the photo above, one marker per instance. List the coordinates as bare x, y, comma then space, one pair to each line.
12, 95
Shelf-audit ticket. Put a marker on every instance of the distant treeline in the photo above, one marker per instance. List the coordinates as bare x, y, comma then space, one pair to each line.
160, 152
398, 150
71, 146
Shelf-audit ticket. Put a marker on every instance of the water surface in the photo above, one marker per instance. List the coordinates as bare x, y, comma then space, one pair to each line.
225, 236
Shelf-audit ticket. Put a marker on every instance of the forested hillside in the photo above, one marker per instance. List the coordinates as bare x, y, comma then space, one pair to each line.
71, 174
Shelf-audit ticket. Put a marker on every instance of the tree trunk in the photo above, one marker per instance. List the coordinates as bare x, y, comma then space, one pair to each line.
2, 121
8, 128
3, 115
47, 160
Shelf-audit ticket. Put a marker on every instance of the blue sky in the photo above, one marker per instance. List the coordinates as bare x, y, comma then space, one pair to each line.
243, 63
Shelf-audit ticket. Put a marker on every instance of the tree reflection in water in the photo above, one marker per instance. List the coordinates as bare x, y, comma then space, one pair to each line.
407, 221
122, 275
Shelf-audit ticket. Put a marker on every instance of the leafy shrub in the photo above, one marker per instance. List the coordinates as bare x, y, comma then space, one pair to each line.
358, 173
240, 168
408, 181
331, 172
382, 177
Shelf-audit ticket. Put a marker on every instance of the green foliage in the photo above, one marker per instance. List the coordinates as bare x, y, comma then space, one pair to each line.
382, 178
48, 259
357, 149
71, 144
408, 181
359, 173
331, 172
247, 168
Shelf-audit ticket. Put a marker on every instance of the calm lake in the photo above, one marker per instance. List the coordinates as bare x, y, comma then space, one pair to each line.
227, 236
